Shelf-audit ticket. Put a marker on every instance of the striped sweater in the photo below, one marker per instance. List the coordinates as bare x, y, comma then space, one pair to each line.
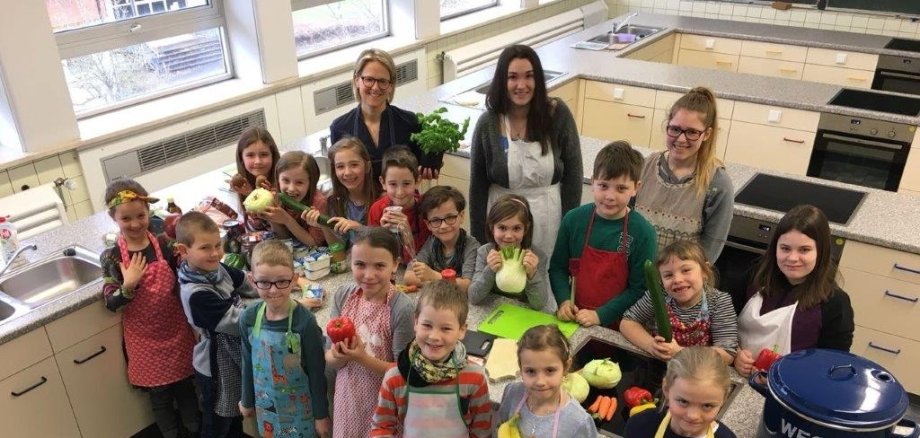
474, 395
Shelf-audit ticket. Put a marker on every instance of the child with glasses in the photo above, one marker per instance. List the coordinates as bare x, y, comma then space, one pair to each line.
282, 350
685, 191
449, 245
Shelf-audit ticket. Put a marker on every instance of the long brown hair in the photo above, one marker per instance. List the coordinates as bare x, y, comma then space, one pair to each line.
247, 138
339, 196
297, 159
539, 114
703, 101
822, 281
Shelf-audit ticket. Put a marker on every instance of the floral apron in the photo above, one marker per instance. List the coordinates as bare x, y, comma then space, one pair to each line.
282, 388
158, 339
694, 333
601, 275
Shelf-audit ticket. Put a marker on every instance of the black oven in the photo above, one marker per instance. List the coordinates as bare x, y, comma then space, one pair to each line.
865, 152
898, 74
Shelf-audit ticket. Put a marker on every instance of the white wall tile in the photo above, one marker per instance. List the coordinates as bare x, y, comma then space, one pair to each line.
892, 24
754, 11
726, 9
844, 20
23, 175
83, 209
712, 8
797, 16
876, 23
813, 16
5, 187
48, 169
858, 21
829, 18
70, 162
768, 13
907, 26
739, 10
81, 192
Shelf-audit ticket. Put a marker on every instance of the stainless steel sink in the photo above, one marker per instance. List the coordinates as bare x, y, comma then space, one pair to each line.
549, 75
50, 278
625, 35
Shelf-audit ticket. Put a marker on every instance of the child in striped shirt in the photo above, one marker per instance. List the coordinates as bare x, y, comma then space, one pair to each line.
432, 389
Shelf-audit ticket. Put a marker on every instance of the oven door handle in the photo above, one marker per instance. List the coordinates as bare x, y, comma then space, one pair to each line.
862, 142
744, 247
898, 75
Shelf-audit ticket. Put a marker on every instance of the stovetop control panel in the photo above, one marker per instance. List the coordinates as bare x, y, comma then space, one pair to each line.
880, 129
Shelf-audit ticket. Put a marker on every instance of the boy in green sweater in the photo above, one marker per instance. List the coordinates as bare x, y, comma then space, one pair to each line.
596, 268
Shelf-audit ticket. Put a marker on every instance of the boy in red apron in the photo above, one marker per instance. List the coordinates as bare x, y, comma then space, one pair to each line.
596, 268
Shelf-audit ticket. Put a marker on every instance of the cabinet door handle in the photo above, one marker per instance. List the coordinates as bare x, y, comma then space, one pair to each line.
40, 383
888, 293
724, 62
635, 116
906, 269
793, 141
885, 349
789, 70
774, 52
90, 357
856, 79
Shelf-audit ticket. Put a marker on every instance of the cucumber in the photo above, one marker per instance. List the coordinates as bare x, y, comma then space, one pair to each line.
656, 292
292, 203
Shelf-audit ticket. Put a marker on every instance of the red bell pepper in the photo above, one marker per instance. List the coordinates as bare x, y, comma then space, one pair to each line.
340, 329
635, 396
766, 358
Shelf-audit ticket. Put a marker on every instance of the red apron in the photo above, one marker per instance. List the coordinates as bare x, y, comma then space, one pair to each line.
158, 339
601, 274
695, 333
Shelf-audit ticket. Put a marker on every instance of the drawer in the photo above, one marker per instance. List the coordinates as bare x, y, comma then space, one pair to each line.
710, 44
840, 58
23, 351
882, 261
787, 117
770, 67
457, 167
884, 304
845, 77
664, 100
620, 93
80, 325
782, 52
898, 355
707, 60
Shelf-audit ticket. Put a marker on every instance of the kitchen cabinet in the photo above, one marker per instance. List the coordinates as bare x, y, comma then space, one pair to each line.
884, 287
456, 173
848, 69
708, 52
35, 403
618, 112
768, 59
569, 94
658, 51
80, 325
910, 179
94, 375
771, 137
663, 102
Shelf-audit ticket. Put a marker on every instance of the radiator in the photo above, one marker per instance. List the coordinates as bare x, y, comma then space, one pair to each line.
34, 211
467, 59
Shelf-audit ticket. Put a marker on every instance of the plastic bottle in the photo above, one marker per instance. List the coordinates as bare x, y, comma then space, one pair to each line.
449, 275
8, 241
171, 206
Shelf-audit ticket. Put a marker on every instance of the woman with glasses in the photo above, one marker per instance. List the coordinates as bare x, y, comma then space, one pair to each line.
527, 144
685, 192
378, 124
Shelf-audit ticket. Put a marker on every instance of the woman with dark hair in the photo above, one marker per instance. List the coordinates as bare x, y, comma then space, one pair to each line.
376, 121
525, 143
798, 303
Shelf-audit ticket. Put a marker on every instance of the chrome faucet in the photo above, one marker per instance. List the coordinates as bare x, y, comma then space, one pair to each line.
16, 254
624, 23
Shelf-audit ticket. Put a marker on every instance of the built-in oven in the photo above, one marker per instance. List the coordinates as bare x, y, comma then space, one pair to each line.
856, 150
897, 73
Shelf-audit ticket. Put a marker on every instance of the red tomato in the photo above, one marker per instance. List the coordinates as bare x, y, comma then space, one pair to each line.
340, 329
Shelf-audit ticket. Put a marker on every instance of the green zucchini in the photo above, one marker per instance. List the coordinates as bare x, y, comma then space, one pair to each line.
656, 292
297, 206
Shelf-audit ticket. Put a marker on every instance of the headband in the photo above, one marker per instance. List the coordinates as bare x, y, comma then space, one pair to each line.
126, 196
520, 202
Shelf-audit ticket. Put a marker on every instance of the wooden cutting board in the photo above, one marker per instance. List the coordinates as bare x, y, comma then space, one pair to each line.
502, 362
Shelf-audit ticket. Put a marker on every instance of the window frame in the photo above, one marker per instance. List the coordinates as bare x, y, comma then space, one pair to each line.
494, 3
297, 5
74, 43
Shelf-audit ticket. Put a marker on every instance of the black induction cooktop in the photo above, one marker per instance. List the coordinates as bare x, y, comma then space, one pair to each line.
781, 194
903, 44
874, 101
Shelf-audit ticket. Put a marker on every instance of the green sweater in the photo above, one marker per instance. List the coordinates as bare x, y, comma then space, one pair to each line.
605, 234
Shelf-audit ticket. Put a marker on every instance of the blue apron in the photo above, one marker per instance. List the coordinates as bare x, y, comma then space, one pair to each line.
282, 388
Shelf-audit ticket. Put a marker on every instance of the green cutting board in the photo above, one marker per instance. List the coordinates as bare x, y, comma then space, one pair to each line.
510, 321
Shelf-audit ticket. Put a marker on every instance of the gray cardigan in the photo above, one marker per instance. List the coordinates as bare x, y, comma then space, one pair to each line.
489, 164
537, 292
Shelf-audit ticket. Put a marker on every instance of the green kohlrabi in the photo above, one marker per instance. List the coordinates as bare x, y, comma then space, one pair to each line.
258, 200
511, 278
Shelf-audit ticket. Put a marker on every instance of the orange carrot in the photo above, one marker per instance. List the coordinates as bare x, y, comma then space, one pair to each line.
597, 403
605, 404
613, 407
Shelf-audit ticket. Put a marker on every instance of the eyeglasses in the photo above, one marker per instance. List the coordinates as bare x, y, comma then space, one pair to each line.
437, 221
369, 82
266, 285
690, 133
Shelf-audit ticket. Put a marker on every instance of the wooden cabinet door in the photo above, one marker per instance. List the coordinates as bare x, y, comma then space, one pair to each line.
34, 403
615, 121
708, 60
846, 77
898, 355
104, 403
770, 147
770, 67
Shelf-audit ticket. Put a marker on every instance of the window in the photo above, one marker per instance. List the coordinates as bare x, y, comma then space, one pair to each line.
321, 26
119, 52
454, 8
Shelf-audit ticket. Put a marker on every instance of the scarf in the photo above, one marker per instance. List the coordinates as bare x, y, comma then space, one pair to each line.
421, 372
188, 274
455, 261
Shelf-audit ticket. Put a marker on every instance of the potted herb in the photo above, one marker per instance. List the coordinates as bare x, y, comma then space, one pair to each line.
438, 135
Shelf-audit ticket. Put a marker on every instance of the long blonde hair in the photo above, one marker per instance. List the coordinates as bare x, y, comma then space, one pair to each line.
703, 101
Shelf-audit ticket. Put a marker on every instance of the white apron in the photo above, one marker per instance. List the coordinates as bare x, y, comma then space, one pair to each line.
756, 331
434, 409
530, 175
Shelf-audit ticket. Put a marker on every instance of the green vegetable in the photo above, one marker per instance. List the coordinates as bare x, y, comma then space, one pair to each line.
602, 373
235, 260
656, 292
297, 206
439, 134
511, 278
258, 200
576, 386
